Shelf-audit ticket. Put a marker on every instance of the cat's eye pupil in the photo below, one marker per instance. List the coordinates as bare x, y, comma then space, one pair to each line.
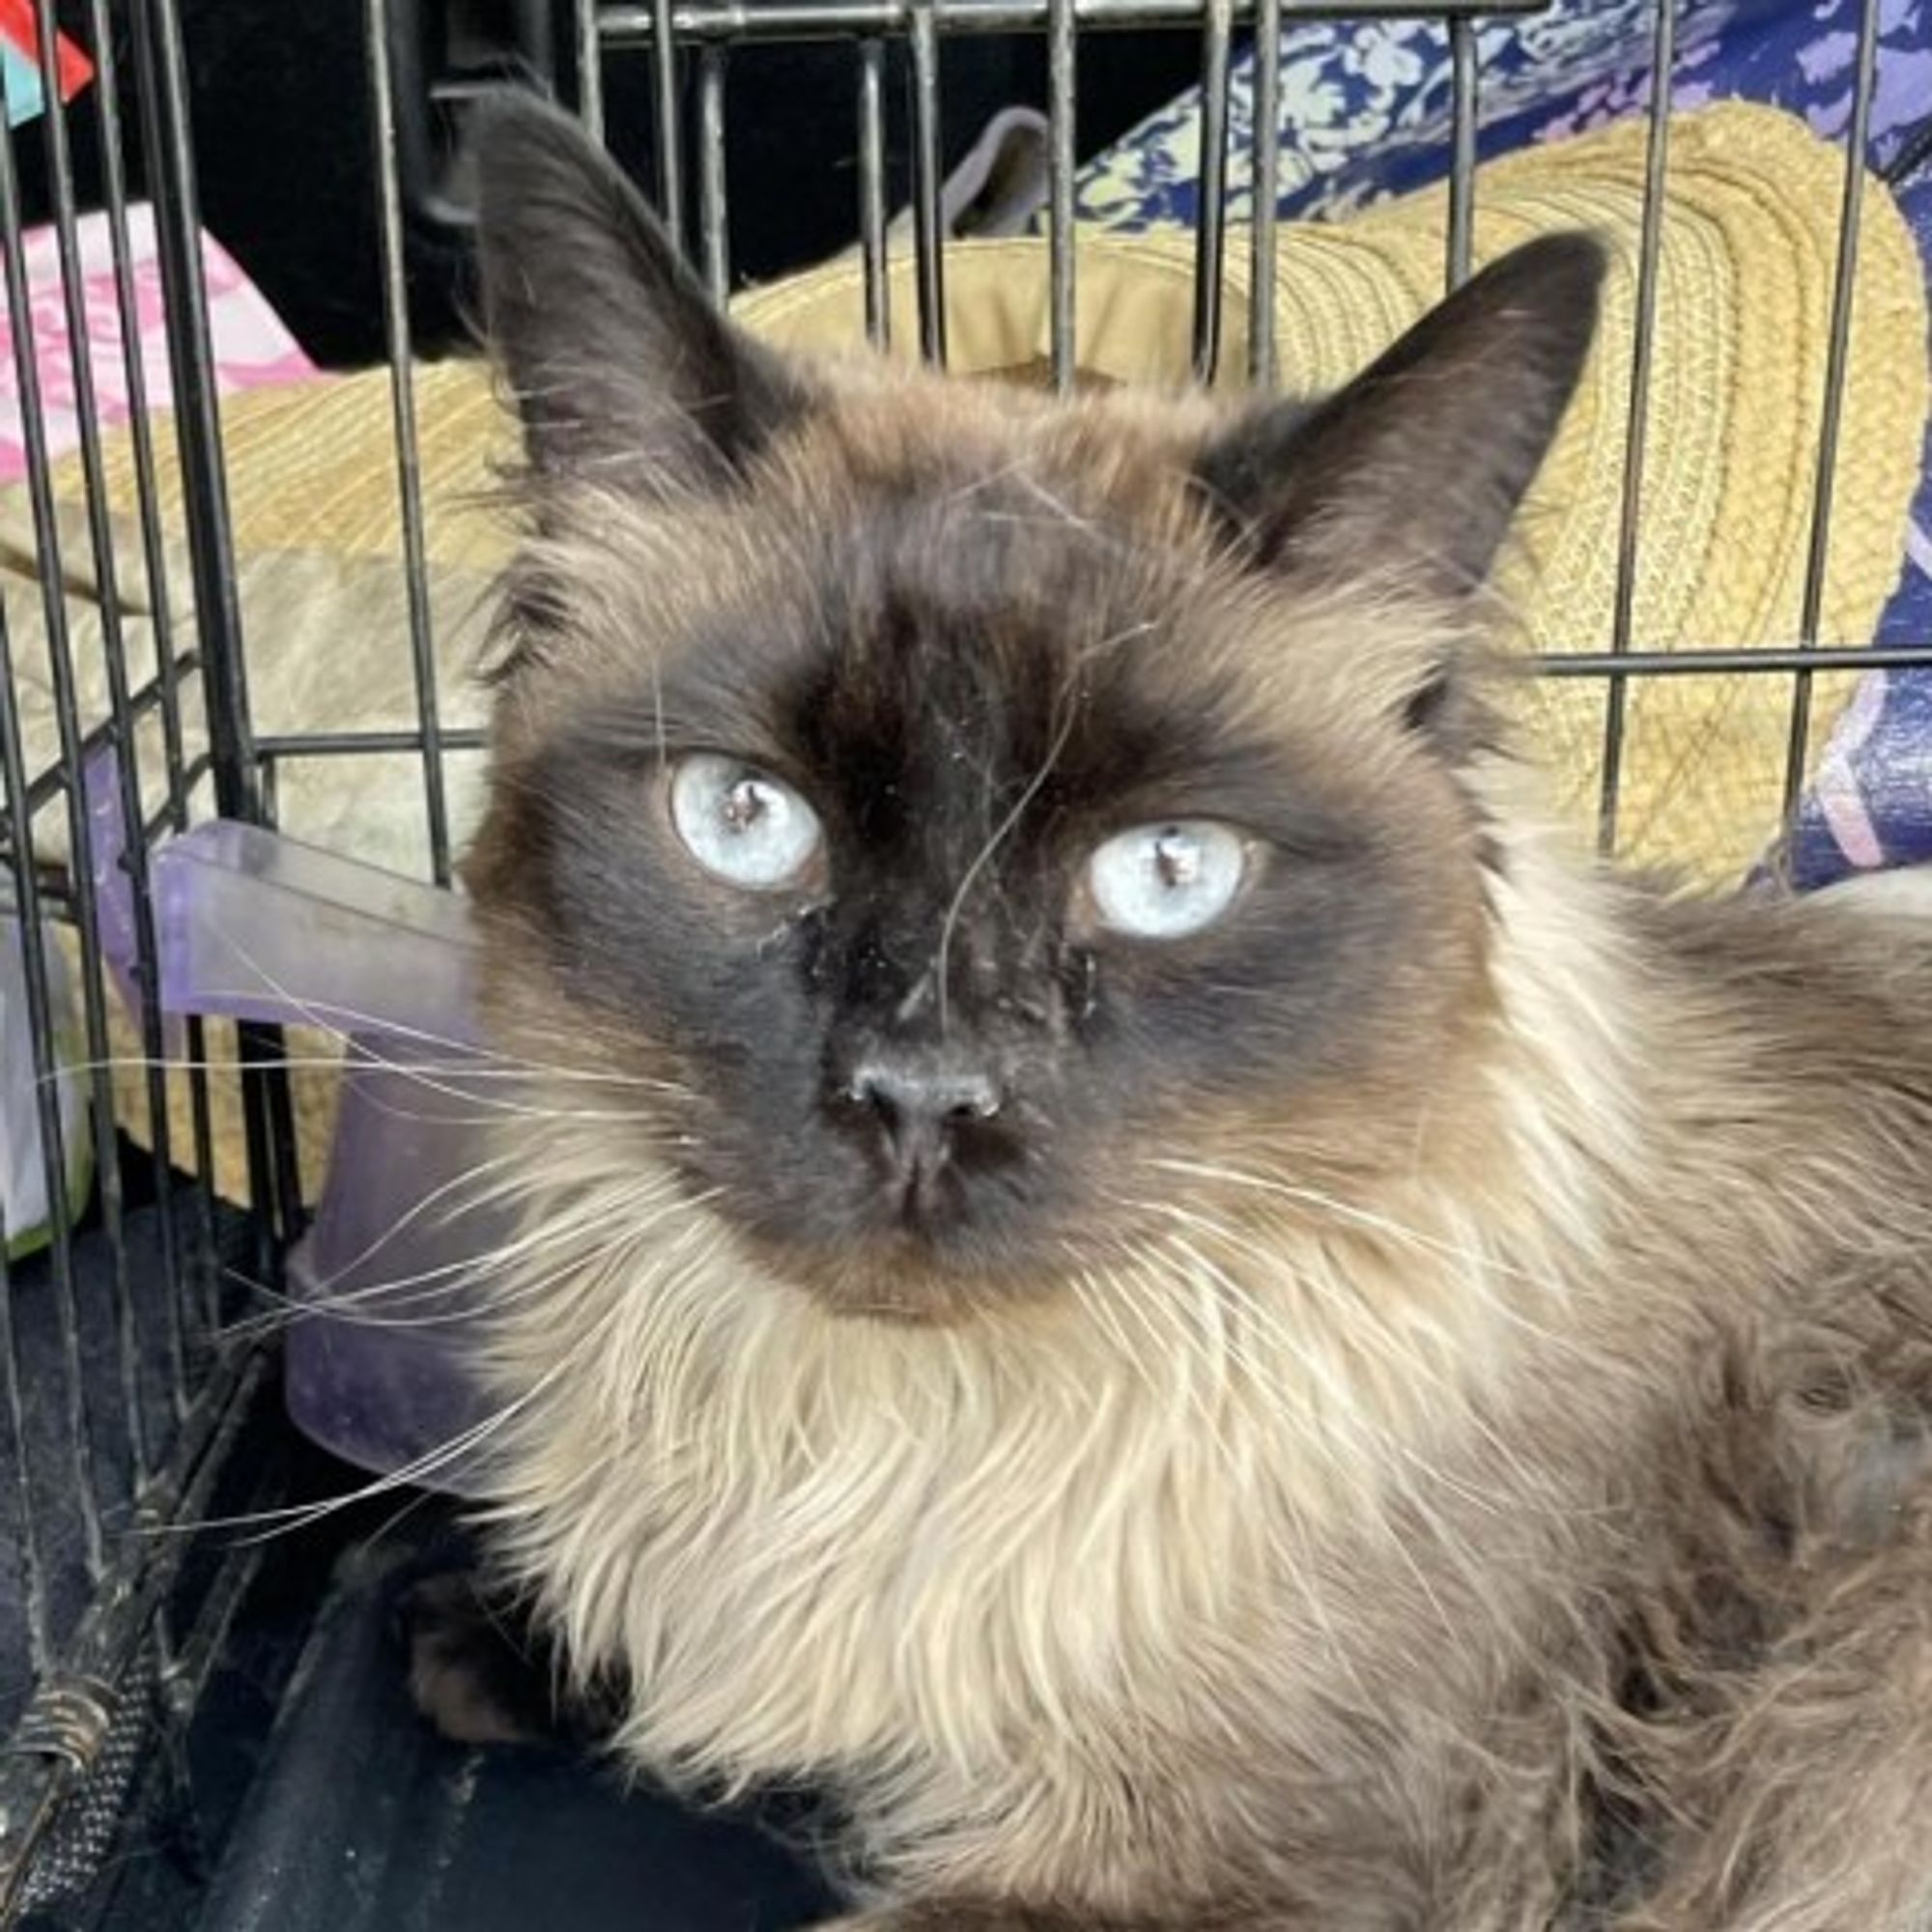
1177, 860
745, 803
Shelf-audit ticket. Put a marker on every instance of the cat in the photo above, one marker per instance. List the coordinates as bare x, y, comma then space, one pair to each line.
1131, 1268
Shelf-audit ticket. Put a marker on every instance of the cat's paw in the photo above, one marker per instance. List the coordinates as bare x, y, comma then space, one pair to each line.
476, 1673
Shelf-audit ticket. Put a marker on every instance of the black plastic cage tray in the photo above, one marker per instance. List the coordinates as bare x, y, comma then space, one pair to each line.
362, 1818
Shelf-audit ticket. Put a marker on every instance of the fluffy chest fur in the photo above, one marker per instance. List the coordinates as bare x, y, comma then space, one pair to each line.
996, 1591
1238, 1493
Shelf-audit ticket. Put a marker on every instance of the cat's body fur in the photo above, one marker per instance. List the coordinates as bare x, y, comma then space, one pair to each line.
1473, 1477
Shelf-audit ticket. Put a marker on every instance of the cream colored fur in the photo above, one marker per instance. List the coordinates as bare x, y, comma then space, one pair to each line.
993, 1576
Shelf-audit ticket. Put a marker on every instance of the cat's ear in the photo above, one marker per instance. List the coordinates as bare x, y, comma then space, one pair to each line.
1410, 476
622, 369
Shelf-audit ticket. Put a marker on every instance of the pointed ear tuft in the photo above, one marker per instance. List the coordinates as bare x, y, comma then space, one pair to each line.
1412, 474
622, 369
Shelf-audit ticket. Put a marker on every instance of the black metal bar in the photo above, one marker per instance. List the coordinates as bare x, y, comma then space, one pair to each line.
184, 1675
1837, 355
663, 38
713, 201
1062, 106
873, 192
1736, 661
403, 412
38, 994
161, 78
590, 66
162, 75
927, 168
1741, 660
1210, 244
170, 665
157, 824
280, 747
33, 1571
639, 24
201, 1129
1463, 126
205, 1646
1637, 434
114, 654
67, 717
1912, 156
1264, 175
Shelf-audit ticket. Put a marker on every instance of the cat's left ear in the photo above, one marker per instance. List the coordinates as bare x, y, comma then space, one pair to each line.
623, 371
1408, 477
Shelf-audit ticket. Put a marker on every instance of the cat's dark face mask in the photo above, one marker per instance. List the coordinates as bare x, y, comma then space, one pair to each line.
964, 819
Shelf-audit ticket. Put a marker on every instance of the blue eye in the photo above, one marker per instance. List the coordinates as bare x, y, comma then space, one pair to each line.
741, 824
1167, 881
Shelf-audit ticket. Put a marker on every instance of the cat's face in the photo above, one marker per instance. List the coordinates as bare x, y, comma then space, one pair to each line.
976, 812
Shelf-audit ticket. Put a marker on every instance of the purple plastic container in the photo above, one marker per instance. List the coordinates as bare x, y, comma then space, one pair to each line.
255, 927
390, 1268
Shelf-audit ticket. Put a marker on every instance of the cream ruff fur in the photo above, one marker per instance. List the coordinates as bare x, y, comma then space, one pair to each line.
930, 1562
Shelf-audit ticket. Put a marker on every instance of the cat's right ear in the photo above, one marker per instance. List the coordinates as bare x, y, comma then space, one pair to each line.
623, 371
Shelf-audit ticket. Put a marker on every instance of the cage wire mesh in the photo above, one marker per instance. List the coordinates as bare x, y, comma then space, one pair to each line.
106, 1733
122, 1391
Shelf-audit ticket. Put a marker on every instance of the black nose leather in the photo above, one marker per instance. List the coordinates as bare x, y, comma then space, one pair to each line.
921, 1103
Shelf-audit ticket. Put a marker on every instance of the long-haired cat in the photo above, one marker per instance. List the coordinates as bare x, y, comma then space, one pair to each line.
1129, 1269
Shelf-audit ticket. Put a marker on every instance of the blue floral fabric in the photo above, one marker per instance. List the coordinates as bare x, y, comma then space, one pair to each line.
1366, 113
1366, 105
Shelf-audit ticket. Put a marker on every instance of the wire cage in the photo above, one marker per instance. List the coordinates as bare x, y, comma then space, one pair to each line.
138, 1400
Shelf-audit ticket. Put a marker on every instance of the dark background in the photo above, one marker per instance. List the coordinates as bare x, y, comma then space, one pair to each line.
280, 101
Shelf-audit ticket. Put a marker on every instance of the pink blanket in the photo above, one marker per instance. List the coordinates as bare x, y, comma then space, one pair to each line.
251, 346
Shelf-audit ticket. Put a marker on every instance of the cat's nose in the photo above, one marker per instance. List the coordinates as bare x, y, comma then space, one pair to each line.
921, 1103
